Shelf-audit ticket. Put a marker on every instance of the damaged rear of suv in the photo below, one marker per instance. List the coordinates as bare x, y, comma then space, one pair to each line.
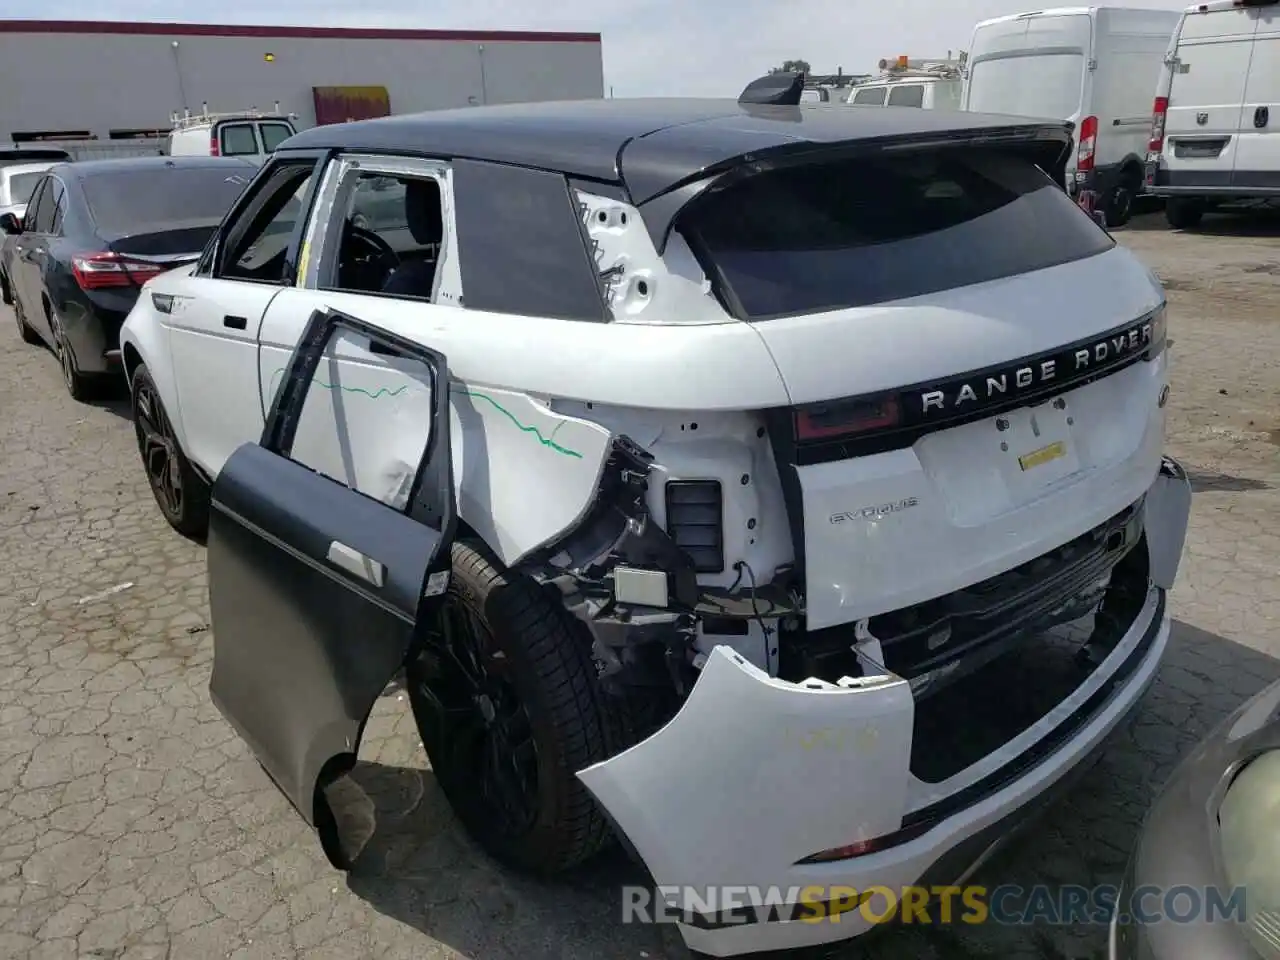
873, 410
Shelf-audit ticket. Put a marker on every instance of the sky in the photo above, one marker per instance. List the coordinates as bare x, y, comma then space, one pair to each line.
651, 47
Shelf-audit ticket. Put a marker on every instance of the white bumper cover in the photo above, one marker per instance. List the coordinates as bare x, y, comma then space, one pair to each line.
754, 774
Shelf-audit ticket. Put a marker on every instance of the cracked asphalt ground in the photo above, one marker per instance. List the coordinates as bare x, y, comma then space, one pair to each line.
134, 824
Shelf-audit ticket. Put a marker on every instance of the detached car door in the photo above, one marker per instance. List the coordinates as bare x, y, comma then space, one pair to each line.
319, 592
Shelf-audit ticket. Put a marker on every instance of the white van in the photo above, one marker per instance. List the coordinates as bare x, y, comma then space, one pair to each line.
1212, 140
1094, 66
930, 84
248, 135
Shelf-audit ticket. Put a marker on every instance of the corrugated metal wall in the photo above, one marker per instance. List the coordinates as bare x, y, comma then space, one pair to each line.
102, 81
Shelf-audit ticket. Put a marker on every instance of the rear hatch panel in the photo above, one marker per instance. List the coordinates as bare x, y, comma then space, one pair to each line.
975, 369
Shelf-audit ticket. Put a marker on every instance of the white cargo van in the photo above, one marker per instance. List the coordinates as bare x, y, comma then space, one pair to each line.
1212, 139
1094, 66
249, 135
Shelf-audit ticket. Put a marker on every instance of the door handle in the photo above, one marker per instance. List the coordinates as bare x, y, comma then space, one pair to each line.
356, 563
1261, 116
235, 323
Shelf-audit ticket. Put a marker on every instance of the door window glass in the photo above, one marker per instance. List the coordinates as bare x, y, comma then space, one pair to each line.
258, 241
59, 209
33, 209
873, 96
238, 140
47, 210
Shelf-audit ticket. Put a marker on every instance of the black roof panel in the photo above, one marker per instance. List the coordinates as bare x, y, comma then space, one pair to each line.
658, 142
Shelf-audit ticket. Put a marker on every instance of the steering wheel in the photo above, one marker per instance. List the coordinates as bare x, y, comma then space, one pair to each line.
366, 259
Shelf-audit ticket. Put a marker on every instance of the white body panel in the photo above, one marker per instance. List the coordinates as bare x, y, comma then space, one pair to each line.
1072, 63
1222, 83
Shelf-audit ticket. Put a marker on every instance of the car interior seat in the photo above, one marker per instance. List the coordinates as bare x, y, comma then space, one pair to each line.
414, 276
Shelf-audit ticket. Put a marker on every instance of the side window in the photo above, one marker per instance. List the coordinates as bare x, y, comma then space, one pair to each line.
907, 95
274, 134
60, 207
258, 241
33, 206
46, 212
237, 140
872, 96
522, 244
391, 234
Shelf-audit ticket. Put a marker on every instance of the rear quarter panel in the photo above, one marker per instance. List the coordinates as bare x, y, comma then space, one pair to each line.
145, 332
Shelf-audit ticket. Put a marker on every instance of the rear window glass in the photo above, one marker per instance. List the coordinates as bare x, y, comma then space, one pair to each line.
125, 201
907, 95
819, 237
1039, 85
274, 134
21, 186
239, 140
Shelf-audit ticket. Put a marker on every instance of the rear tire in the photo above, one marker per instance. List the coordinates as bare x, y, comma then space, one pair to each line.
180, 492
1184, 214
533, 718
1118, 206
81, 387
25, 329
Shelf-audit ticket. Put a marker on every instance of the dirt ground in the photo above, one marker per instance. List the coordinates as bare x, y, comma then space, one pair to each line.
134, 824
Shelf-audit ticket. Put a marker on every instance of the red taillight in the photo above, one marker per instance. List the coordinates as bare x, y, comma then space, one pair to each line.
96, 271
1088, 143
864, 848
1158, 114
842, 418
213, 146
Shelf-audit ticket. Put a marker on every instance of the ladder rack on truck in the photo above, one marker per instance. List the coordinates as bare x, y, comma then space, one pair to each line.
187, 119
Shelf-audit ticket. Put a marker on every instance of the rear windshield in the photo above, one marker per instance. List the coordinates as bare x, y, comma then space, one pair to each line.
130, 199
818, 237
1047, 86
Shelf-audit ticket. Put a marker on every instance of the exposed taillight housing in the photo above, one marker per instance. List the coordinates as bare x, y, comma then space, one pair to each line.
695, 521
837, 419
1088, 144
1158, 114
214, 150
98, 271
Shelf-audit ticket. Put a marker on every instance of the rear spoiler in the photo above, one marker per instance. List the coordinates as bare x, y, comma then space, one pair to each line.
774, 89
1047, 145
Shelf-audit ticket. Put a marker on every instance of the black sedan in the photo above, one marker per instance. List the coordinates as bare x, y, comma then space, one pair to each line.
93, 234
1204, 880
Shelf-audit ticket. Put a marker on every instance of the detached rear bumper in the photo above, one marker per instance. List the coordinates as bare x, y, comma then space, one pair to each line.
756, 775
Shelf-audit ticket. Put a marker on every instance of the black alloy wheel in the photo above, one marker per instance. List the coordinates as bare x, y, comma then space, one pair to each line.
480, 732
182, 495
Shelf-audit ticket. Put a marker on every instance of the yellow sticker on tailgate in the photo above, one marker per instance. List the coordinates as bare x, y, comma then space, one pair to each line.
1042, 456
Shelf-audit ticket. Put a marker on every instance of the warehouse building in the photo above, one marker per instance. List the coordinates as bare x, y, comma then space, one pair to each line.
72, 80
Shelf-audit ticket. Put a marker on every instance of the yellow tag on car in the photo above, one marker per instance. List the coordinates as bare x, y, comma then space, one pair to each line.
1042, 456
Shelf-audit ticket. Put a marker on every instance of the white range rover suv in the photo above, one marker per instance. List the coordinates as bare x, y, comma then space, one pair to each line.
697, 462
